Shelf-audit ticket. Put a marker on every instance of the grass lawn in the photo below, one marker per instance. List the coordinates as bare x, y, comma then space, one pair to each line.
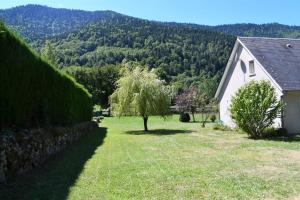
173, 161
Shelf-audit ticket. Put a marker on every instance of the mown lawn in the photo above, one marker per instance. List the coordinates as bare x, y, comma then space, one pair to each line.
173, 161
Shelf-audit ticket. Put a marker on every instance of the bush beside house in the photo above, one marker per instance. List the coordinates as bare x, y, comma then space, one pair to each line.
255, 107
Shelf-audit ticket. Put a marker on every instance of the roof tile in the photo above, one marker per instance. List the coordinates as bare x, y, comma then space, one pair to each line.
280, 61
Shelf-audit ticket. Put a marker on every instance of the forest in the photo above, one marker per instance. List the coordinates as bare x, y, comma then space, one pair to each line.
181, 55
96, 43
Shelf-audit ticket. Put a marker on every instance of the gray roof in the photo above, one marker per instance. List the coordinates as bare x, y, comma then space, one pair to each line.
279, 60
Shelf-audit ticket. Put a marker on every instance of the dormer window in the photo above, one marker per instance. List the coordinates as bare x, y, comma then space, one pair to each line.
251, 68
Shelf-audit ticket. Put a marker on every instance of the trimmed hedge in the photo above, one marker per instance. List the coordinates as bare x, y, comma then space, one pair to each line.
33, 93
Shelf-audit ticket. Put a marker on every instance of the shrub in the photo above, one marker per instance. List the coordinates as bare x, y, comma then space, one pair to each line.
213, 118
184, 117
282, 132
254, 107
272, 132
33, 93
269, 132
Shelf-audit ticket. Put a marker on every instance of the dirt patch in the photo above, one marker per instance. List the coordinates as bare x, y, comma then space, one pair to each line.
276, 154
297, 197
294, 155
221, 140
226, 141
264, 170
152, 149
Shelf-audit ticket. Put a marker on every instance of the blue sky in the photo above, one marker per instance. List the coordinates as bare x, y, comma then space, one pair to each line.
210, 12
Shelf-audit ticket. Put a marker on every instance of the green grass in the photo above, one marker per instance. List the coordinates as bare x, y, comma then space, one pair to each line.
173, 161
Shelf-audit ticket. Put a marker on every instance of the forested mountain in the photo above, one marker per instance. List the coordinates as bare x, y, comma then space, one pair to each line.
35, 22
274, 30
180, 53
172, 49
183, 54
259, 30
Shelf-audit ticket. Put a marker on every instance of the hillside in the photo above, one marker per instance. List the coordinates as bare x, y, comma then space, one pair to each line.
183, 54
180, 53
174, 49
35, 22
274, 30
259, 30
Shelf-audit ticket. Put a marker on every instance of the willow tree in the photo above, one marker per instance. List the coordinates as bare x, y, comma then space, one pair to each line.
140, 93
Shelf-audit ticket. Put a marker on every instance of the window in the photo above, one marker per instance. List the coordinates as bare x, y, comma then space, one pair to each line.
244, 70
251, 68
243, 67
236, 57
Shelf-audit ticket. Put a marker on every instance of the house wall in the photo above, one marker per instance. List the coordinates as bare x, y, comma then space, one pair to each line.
237, 77
292, 112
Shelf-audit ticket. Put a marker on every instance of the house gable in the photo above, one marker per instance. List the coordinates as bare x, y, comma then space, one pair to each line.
275, 60
232, 63
238, 74
280, 57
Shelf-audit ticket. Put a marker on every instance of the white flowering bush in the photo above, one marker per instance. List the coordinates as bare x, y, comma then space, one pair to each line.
254, 107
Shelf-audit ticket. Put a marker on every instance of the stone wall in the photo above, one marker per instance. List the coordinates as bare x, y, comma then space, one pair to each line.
23, 150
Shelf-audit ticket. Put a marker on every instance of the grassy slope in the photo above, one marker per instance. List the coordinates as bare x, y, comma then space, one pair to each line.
176, 161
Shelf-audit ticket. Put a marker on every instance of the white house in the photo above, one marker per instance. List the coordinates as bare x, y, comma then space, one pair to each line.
274, 59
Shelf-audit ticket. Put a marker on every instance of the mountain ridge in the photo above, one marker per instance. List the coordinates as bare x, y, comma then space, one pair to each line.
11, 17
183, 54
36, 22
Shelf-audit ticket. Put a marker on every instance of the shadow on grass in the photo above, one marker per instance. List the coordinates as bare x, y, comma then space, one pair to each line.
158, 132
295, 138
54, 178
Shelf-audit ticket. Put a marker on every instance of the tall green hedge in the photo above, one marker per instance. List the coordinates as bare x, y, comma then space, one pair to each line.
33, 93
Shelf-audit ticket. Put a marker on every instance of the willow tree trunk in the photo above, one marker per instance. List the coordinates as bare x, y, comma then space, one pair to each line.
145, 118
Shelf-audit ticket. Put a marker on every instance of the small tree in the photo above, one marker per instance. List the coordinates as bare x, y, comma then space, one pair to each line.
139, 92
204, 106
188, 101
48, 52
191, 100
254, 107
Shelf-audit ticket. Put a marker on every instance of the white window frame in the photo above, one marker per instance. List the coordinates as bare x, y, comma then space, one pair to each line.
251, 68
